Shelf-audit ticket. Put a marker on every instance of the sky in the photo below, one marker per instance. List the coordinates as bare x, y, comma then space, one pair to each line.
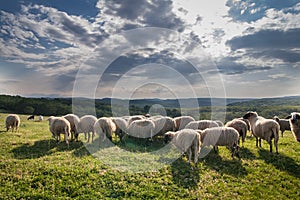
150, 48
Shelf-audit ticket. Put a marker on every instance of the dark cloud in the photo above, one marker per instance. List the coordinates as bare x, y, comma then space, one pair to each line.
284, 55
252, 10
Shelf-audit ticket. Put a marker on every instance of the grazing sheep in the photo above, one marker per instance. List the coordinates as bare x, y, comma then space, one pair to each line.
141, 128
221, 136
59, 125
104, 126
240, 126
12, 121
185, 140
294, 120
163, 124
182, 121
263, 128
74, 122
283, 123
86, 125
41, 118
201, 124
31, 117
121, 126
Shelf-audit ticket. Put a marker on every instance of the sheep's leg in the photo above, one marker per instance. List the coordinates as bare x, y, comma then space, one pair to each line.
256, 141
66, 138
215, 149
276, 145
196, 154
259, 142
190, 154
88, 136
85, 136
270, 143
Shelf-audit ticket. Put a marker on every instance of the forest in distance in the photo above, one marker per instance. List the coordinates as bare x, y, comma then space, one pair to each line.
267, 107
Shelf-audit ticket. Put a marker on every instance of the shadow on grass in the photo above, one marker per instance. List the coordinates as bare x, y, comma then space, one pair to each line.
281, 162
232, 167
43, 148
246, 154
184, 175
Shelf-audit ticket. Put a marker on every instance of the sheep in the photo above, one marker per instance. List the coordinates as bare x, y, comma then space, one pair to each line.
263, 128
86, 125
142, 128
41, 118
12, 121
121, 126
283, 123
135, 117
104, 126
74, 122
240, 126
185, 140
294, 120
201, 124
221, 136
58, 125
163, 124
220, 123
182, 121
31, 117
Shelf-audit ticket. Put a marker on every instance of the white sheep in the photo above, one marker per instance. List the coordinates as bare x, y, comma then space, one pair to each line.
141, 128
12, 121
41, 118
201, 124
294, 120
186, 140
135, 117
182, 121
59, 125
163, 124
283, 123
240, 126
104, 127
221, 136
86, 125
74, 122
121, 126
263, 128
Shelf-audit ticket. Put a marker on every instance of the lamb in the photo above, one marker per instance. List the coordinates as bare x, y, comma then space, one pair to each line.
221, 136
163, 124
121, 126
141, 128
74, 122
182, 121
186, 140
283, 123
12, 121
240, 126
294, 120
86, 125
41, 118
263, 128
104, 126
31, 117
58, 125
201, 124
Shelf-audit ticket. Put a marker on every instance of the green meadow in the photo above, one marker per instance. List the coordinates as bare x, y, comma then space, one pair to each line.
34, 166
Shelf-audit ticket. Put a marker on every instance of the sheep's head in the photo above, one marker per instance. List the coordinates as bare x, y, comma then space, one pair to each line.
295, 121
169, 136
250, 114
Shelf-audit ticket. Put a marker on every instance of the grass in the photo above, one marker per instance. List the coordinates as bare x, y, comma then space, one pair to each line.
33, 166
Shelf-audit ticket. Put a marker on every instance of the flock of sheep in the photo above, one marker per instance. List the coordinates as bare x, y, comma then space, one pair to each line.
186, 133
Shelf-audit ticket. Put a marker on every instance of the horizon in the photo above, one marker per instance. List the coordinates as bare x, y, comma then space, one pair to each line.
169, 49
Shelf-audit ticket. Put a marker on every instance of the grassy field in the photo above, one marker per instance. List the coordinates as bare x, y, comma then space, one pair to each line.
33, 166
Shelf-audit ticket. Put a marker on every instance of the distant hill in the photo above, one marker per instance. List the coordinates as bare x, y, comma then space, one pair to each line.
278, 101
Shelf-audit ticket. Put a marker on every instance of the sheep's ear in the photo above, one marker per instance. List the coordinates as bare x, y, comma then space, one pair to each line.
289, 117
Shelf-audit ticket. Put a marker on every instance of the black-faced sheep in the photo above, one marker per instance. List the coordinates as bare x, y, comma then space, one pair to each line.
283, 123
240, 126
182, 121
201, 124
263, 128
104, 127
294, 120
31, 117
74, 122
86, 125
186, 140
12, 121
221, 136
59, 125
